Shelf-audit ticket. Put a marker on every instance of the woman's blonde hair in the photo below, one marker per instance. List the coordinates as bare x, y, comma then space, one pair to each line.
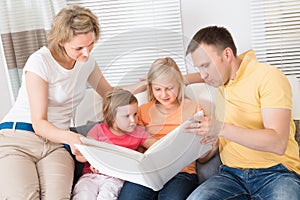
162, 69
113, 100
69, 22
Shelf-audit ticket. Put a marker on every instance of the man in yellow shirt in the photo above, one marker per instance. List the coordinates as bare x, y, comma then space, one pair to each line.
257, 146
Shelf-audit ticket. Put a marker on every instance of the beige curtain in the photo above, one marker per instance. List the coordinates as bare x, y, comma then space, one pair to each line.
23, 30
17, 47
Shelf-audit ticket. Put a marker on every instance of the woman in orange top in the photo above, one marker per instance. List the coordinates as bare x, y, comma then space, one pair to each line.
167, 108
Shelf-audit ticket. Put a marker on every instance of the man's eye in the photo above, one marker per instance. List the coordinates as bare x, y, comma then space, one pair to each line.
205, 65
92, 44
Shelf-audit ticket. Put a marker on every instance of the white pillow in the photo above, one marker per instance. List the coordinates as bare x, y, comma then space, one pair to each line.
141, 97
202, 94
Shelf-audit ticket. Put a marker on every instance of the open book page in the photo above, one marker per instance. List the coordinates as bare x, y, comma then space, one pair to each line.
162, 161
173, 136
114, 162
172, 153
114, 149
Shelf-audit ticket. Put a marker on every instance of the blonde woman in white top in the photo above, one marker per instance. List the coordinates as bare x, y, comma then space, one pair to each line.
33, 161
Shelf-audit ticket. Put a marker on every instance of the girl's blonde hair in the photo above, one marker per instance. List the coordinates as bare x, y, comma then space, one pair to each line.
113, 100
69, 22
162, 69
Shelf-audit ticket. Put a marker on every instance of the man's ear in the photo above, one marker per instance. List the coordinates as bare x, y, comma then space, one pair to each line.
228, 54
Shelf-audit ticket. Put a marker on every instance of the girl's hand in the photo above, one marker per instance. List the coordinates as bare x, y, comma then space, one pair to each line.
144, 78
94, 170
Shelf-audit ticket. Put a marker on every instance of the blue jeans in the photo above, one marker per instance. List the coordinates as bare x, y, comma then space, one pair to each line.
274, 183
178, 188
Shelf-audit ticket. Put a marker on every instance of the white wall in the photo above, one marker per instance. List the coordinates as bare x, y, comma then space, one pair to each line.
233, 14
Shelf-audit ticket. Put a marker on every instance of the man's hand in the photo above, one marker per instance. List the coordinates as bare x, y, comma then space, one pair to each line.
206, 126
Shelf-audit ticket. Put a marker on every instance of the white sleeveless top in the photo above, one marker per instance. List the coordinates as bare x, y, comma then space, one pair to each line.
66, 88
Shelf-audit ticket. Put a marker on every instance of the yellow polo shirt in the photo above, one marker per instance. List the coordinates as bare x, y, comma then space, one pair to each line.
240, 102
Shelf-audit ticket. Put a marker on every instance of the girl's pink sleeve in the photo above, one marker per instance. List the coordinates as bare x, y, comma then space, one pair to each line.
94, 132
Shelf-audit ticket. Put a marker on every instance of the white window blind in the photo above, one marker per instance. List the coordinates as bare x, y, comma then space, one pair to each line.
133, 34
276, 33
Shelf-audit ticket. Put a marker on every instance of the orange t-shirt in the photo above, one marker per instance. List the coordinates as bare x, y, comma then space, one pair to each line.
158, 124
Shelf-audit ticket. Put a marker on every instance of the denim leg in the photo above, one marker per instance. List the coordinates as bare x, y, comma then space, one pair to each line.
222, 186
132, 191
274, 183
179, 187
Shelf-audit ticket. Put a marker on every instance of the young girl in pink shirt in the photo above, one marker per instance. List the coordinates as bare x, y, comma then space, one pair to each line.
120, 109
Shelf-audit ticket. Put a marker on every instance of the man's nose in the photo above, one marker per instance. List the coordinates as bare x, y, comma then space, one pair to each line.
203, 74
85, 51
